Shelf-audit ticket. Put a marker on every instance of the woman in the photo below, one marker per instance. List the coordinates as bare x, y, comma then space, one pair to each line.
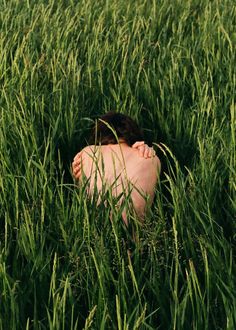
117, 162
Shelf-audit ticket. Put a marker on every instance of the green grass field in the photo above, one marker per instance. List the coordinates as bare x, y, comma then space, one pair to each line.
171, 66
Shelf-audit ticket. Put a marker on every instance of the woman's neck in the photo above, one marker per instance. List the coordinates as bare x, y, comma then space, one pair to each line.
122, 141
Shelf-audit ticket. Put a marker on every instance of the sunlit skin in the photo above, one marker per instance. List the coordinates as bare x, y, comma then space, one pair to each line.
121, 167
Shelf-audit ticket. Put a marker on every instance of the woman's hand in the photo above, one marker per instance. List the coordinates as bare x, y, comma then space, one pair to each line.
144, 150
77, 166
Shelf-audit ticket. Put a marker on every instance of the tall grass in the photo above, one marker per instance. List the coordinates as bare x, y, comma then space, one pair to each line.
171, 66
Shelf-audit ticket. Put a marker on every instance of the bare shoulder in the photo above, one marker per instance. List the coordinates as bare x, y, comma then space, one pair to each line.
152, 163
155, 160
90, 150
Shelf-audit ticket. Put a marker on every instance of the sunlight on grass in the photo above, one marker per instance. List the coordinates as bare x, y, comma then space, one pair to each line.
169, 65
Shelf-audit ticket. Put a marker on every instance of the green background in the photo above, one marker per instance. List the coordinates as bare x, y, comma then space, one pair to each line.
170, 65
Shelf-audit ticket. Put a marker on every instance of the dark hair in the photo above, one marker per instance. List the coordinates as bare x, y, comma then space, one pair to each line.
124, 126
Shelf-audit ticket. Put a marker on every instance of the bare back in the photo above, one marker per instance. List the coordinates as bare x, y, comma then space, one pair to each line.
120, 168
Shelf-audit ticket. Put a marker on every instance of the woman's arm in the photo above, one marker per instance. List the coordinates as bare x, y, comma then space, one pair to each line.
144, 151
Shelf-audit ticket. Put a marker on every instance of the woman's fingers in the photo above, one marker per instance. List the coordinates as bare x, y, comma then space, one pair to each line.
77, 173
138, 144
144, 150
77, 165
151, 153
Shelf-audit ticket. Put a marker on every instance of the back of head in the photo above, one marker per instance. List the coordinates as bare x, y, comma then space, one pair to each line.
125, 128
